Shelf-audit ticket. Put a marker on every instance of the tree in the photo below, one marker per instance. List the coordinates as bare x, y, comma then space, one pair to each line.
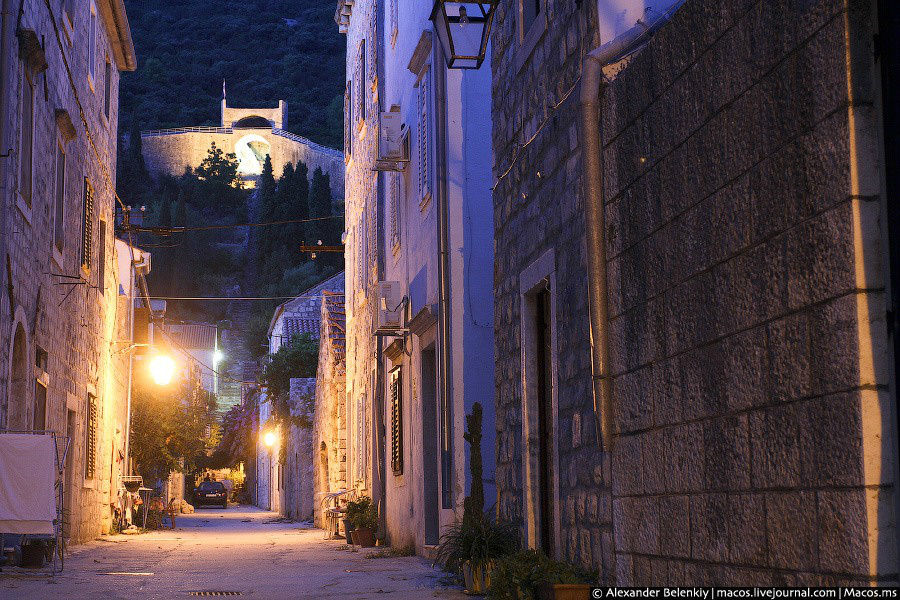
219, 168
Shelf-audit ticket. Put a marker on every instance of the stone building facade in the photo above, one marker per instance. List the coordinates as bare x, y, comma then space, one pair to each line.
65, 312
330, 420
285, 482
753, 396
249, 133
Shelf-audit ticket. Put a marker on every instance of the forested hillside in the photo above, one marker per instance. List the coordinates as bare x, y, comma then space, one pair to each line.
266, 50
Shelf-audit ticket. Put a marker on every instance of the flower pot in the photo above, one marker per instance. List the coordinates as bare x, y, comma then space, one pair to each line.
348, 529
364, 537
477, 577
565, 591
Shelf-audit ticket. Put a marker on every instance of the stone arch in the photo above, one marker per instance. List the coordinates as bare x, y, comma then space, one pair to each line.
19, 390
253, 122
251, 151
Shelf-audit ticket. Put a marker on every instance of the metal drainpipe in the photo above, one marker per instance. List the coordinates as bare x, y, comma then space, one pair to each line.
443, 218
592, 87
379, 433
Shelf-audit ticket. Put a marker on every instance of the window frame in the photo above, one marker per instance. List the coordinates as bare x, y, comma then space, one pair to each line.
26, 200
528, 39
91, 423
107, 89
87, 226
396, 199
425, 137
59, 203
395, 391
93, 34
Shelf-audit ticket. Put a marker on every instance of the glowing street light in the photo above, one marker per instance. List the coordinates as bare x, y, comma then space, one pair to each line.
162, 369
269, 438
217, 357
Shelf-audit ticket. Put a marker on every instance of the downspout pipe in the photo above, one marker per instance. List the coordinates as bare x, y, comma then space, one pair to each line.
592, 88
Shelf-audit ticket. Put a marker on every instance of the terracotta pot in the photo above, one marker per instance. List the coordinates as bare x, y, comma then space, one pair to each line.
348, 530
364, 537
477, 578
565, 591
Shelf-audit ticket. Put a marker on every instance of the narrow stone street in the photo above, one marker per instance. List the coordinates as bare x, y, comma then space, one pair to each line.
241, 549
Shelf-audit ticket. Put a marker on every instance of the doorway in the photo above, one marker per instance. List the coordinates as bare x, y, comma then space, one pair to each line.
544, 374
431, 499
17, 410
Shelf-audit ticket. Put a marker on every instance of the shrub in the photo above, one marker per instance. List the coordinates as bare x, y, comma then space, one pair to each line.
477, 540
361, 513
519, 576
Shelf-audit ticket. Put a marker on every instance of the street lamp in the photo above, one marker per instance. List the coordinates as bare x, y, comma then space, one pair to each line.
464, 29
269, 438
162, 369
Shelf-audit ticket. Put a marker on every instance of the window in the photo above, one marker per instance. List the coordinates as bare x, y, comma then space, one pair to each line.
348, 120
59, 200
395, 210
40, 407
424, 141
394, 21
90, 437
107, 88
101, 259
362, 82
396, 421
87, 225
360, 438
26, 153
530, 11
92, 45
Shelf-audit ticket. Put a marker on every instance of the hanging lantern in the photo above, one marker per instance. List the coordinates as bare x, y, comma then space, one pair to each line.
464, 29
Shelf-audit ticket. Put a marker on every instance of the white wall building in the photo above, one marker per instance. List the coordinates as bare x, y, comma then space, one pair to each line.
424, 376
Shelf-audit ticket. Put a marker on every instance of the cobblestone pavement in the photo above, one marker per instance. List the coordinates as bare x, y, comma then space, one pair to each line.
240, 549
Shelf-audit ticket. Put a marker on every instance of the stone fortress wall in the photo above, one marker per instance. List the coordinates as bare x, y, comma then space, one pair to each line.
243, 132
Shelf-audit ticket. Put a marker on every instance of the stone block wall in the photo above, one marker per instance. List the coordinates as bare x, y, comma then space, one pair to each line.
538, 207
746, 290
747, 303
75, 316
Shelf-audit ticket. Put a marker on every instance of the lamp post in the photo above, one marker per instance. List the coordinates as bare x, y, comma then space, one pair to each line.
464, 29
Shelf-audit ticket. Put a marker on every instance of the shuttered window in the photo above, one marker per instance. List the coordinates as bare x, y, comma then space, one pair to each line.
394, 21
361, 438
362, 81
101, 259
87, 224
59, 211
395, 210
397, 421
26, 152
90, 441
348, 120
424, 138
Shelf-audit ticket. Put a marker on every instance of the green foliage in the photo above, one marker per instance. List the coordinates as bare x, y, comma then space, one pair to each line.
476, 540
238, 439
520, 576
219, 168
361, 513
170, 423
266, 50
473, 505
298, 358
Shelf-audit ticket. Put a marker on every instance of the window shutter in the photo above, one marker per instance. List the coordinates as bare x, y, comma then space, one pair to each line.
348, 119
396, 422
87, 224
90, 445
424, 172
395, 209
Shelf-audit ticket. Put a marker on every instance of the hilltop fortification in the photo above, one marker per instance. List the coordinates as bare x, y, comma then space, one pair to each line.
251, 134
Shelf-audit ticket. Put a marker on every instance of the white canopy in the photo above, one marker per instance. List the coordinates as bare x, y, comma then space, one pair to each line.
27, 480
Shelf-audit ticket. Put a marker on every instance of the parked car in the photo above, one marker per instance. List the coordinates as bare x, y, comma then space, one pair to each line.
211, 493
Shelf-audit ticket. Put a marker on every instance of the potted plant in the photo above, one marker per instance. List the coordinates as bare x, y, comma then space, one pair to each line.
470, 547
532, 575
363, 517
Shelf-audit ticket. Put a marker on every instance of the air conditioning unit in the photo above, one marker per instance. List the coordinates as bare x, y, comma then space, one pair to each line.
392, 145
391, 304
